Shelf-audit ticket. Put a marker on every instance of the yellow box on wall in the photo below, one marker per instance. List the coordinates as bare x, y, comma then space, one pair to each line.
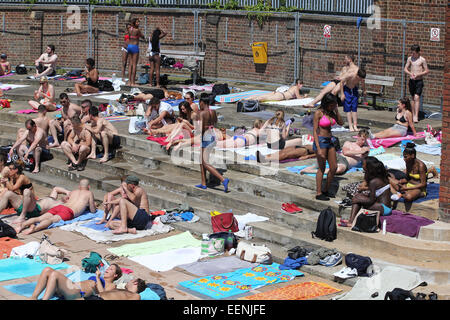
259, 50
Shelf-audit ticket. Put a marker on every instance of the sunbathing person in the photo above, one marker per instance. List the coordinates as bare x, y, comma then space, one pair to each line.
103, 133
415, 184
299, 152
44, 95
134, 211
57, 284
404, 122
77, 201
149, 94
277, 131
63, 124
189, 97
15, 183
184, 120
353, 153
159, 113
292, 93
78, 144
90, 85
249, 138
130, 191
4, 173
379, 199
37, 144
5, 65
131, 292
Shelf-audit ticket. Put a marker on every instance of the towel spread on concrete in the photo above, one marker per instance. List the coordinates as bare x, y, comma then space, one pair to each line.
110, 96
405, 223
299, 291
209, 267
14, 268
247, 218
292, 102
429, 149
83, 217
182, 240
168, 260
233, 97
388, 142
108, 236
389, 278
9, 86
250, 151
7, 244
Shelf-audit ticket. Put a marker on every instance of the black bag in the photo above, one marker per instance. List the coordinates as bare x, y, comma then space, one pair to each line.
21, 69
5, 149
248, 106
6, 230
360, 263
399, 294
366, 223
326, 225
225, 235
105, 85
398, 174
220, 88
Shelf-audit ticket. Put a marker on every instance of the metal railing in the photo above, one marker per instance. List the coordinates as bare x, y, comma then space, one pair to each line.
352, 7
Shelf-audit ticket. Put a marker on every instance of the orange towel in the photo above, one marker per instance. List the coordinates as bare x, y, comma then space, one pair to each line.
300, 291
8, 211
158, 213
7, 244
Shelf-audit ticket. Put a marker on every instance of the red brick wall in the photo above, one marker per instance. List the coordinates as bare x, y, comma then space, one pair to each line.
381, 50
444, 195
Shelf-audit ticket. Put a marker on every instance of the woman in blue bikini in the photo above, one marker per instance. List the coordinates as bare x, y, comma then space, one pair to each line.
57, 284
133, 49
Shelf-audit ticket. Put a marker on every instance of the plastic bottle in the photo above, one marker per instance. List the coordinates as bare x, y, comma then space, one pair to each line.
113, 77
229, 242
384, 226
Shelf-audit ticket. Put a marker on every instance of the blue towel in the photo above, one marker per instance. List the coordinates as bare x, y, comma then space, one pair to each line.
429, 149
95, 226
13, 268
149, 294
186, 216
83, 217
297, 169
293, 263
432, 193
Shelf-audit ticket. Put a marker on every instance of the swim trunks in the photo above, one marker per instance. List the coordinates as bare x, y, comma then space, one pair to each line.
64, 212
133, 48
33, 214
415, 87
140, 221
351, 99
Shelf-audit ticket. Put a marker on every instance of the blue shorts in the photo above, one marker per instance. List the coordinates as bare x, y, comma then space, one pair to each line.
324, 143
207, 143
386, 210
140, 221
133, 48
351, 99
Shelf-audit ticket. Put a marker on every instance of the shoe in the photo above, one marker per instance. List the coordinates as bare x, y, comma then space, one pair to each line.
334, 260
346, 273
225, 184
327, 194
322, 197
325, 260
201, 186
432, 296
420, 296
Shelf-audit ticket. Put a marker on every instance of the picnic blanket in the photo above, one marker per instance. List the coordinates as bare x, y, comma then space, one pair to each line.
7, 244
299, 291
107, 236
209, 267
404, 223
230, 284
168, 260
388, 142
13, 268
291, 102
389, 278
182, 240
233, 97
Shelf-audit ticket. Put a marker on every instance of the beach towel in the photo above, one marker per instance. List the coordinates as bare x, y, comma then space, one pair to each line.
434, 150
7, 244
109, 97
404, 223
399, 163
388, 142
14, 268
233, 97
240, 281
389, 278
162, 140
117, 118
182, 240
9, 86
8, 211
299, 291
292, 102
168, 260
87, 94
250, 151
7, 75
108, 236
83, 217
297, 169
26, 111
209, 267
247, 218
432, 193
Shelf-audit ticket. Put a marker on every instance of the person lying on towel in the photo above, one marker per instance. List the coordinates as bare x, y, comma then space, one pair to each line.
131, 292
249, 138
415, 184
282, 93
75, 204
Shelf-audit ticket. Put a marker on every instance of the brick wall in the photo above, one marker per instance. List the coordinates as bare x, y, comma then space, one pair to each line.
227, 43
444, 194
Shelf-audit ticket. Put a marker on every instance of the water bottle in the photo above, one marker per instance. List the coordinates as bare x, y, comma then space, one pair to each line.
113, 78
230, 240
384, 226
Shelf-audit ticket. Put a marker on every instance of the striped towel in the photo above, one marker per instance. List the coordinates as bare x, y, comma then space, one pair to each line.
117, 118
233, 97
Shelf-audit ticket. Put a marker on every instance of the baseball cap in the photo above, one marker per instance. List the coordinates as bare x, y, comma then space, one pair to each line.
132, 180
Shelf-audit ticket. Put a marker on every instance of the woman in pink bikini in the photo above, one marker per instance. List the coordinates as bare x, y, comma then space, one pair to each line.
324, 143
44, 95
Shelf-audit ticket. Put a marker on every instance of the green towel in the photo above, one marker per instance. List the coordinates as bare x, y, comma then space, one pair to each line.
181, 240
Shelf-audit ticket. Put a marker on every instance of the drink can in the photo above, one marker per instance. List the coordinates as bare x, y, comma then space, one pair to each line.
248, 231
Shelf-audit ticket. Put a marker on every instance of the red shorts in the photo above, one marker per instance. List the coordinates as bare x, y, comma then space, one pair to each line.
64, 212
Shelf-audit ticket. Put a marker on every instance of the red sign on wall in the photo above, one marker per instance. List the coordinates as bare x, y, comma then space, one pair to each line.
327, 31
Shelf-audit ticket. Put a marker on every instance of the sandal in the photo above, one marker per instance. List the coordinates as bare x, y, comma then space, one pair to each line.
81, 166
73, 167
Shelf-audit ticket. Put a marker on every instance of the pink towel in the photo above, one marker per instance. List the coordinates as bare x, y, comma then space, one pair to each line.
126, 270
27, 111
162, 140
388, 142
7, 75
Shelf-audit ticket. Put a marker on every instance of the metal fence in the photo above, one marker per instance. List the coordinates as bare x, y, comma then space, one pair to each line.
351, 7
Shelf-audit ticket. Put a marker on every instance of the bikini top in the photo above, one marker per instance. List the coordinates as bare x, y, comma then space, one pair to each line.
25, 186
415, 176
133, 37
326, 123
402, 119
127, 37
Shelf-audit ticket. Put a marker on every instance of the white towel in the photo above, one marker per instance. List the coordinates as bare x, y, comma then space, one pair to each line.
168, 260
31, 248
247, 218
293, 102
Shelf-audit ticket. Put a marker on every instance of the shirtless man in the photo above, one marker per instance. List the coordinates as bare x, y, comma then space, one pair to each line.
46, 63
352, 155
419, 69
134, 209
63, 124
85, 106
131, 292
292, 93
78, 144
205, 125
159, 113
41, 121
5, 65
102, 131
37, 140
77, 202
44, 95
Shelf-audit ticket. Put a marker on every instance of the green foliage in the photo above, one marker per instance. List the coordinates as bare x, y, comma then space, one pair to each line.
264, 12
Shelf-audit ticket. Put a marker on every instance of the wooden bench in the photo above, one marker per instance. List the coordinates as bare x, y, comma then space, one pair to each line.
383, 81
178, 54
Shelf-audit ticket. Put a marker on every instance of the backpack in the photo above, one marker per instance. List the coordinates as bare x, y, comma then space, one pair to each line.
105, 85
326, 225
248, 106
6, 230
399, 294
21, 69
143, 78
91, 263
358, 262
220, 88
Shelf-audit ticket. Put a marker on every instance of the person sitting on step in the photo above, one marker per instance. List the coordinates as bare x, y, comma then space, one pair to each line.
44, 95
15, 183
78, 144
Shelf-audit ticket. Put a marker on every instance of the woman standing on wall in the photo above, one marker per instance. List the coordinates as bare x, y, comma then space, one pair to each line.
133, 49
153, 53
